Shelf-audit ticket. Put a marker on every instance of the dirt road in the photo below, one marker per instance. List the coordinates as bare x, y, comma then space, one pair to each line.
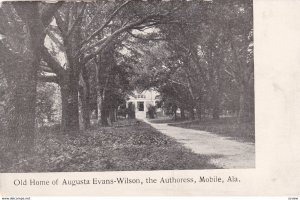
225, 153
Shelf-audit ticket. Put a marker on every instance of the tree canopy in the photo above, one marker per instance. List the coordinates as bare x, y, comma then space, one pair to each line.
197, 54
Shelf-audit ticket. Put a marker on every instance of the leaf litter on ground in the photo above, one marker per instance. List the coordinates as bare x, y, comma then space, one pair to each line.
132, 146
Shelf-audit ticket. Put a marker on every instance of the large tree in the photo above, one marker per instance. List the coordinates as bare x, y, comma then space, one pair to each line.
86, 31
23, 29
211, 44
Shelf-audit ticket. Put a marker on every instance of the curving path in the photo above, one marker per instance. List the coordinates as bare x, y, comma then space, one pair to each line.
225, 153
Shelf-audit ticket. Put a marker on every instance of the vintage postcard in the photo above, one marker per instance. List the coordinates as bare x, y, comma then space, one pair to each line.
154, 97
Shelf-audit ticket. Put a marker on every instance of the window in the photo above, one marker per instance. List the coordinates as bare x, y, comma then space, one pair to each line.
141, 96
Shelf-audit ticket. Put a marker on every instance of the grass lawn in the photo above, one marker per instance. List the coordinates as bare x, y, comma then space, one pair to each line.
227, 127
126, 146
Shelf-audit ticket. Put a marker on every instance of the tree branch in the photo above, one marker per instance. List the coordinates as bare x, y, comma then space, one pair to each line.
104, 42
55, 39
94, 17
60, 25
51, 79
46, 69
48, 12
105, 24
52, 63
148, 39
77, 21
178, 83
229, 73
146, 26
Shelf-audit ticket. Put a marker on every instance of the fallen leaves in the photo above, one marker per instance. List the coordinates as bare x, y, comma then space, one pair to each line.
129, 147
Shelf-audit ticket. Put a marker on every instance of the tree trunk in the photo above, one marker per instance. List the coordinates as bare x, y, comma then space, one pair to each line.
112, 115
216, 112
192, 114
85, 110
216, 105
86, 115
85, 99
182, 115
215, 84
98, 94
99, 105
199, 109
97, 112
21, 123
103, 111
242, 115
175, 113
70, 111
104, 116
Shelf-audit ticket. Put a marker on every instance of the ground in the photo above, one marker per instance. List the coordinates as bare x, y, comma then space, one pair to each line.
224, 152
138, 145
129, 145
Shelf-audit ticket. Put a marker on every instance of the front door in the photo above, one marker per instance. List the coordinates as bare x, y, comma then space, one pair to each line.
140, 106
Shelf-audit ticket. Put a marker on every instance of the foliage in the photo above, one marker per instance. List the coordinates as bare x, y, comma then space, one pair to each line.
151, 111
45, 104
133, 147
205, 60
131, 110
197, 54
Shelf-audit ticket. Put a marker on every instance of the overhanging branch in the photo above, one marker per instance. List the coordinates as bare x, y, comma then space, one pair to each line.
77, 21
48, 12
132, 25
46, 69
60, 24
148, 39
49, 79
104, 25
52, 63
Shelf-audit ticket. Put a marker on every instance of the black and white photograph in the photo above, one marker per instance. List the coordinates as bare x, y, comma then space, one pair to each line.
126, 85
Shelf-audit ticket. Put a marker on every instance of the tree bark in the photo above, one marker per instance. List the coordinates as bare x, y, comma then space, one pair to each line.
216, 112
199, 109
182, 115
192, 114
98, 92
104, 115
99, 105
243, 114
85, 99
112, 115
175, 112
21, 123
216, 105
69, 78
70, 110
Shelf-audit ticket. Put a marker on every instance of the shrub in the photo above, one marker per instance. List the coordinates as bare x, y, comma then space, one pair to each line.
131, 111
151, 111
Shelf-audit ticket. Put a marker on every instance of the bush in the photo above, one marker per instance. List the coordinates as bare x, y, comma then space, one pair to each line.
131, 111
151, 111
122, 111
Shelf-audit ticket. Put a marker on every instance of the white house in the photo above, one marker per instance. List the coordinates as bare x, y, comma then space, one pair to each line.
141, 101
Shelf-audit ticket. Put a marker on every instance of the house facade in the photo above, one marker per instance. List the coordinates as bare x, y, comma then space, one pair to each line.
142, 100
